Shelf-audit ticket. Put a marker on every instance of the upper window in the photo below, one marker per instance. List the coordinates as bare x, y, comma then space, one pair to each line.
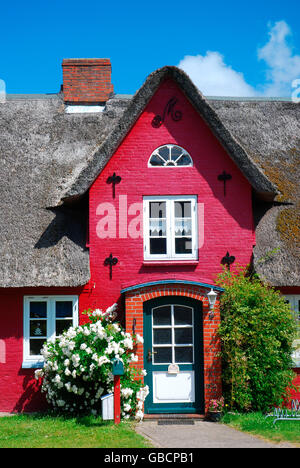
45, 317
170, 156
170, 228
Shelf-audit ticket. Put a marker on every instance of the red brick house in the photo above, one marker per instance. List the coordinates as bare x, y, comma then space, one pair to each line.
139, 200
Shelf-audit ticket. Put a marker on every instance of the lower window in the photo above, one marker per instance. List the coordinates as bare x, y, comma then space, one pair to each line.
45, 317
294, 301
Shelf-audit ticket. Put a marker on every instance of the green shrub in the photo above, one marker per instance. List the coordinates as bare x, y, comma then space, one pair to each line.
256, 333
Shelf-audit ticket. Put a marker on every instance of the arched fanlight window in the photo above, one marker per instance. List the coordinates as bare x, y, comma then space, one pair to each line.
170, 156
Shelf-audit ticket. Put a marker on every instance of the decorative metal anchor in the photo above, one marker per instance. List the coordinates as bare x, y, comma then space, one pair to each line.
228, 260
169, 109
224, 177
111, 261
114, 179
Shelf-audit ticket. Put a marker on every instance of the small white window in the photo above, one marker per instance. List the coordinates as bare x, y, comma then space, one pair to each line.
294, 302
170, 156
45, 317
170, 228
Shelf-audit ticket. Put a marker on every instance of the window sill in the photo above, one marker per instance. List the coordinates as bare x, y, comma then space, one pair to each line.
32, 364
170, 262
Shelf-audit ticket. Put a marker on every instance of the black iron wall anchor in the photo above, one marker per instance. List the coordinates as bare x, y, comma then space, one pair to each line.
225, 177
169, 109
228, 260
114, 179
111, 261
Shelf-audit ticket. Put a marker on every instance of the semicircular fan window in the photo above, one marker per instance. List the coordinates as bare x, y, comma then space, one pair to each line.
170, 156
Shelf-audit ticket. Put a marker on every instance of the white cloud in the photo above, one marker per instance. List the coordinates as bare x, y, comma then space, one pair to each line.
283, 66
215, 78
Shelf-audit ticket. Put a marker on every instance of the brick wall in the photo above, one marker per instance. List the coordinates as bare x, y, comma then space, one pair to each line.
86, 80
134, 302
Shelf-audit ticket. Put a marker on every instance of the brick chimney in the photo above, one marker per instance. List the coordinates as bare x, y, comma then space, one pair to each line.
86, 80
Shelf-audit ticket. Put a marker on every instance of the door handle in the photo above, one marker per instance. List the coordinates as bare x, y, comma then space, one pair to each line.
150, 354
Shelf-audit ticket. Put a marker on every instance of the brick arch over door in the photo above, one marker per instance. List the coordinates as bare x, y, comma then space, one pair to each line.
134, 303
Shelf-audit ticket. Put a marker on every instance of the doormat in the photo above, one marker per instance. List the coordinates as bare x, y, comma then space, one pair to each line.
169, 422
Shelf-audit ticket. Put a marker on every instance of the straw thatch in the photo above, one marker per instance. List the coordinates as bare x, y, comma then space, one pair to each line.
49, 160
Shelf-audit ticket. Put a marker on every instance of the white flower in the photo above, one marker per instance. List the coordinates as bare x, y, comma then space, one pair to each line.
139, 415
127, 407
66, 362
139, 338
75, 360
67, 371
144, 372
142, 393
128, 343
60, 403
83, 346
133, 358
38, 373
126, 392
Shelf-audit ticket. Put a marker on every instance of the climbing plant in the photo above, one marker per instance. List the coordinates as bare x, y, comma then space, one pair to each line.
256, 332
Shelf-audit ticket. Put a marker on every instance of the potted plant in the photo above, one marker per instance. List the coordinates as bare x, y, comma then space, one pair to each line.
215, 409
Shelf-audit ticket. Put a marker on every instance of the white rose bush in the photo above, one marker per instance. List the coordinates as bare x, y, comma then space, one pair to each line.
78, 367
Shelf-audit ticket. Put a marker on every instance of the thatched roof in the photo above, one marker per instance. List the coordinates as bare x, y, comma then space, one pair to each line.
50, 158
42, 148
270, 133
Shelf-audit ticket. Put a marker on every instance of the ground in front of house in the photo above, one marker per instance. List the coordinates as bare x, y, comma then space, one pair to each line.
45, 431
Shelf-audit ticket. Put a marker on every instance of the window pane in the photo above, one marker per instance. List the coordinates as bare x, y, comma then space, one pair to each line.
157, 227
183, 245
162, 355
158, 246
64, 309
38, 328
162, 316
36, 346
184, 355
38, 309
63, 325
156, 160
158, 209
175, 152
183, 209
183, 315
183, 336
183, 227
163, 336
164, 152
185, 160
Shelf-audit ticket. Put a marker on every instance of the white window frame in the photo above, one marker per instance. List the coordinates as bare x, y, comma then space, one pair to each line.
170, 227
155, 152
294, 303
36, 361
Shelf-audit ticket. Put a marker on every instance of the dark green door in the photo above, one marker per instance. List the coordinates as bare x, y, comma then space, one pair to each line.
173, 355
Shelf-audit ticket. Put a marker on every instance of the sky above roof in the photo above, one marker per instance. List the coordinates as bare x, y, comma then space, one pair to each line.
228, 48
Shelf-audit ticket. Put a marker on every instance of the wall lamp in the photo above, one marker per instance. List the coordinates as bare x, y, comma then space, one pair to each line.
212, 296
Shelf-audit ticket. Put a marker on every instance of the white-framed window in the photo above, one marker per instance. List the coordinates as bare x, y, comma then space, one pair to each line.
294, 301
170, 156
170, 227
45, 317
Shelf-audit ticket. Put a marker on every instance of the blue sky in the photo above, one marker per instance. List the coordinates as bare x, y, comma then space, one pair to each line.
250, 47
